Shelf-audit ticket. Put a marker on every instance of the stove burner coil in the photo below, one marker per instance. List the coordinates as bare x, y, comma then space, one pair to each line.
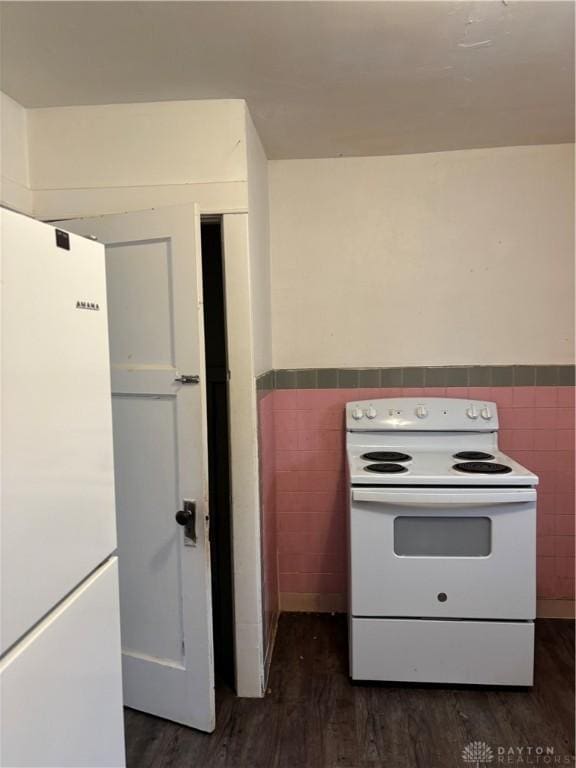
482, 467
386, 456
385, 468
473, 456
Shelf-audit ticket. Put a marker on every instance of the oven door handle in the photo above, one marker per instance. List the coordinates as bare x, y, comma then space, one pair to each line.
487, 497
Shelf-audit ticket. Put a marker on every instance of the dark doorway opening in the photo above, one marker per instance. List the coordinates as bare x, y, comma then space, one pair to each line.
218, 449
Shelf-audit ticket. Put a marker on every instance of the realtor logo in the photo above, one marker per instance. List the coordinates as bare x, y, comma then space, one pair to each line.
88, 305
477, 753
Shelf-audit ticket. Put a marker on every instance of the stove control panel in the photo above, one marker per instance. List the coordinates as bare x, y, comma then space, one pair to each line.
430, 414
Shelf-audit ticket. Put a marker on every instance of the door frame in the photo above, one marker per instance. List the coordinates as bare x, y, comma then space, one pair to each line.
244, 468
245, 493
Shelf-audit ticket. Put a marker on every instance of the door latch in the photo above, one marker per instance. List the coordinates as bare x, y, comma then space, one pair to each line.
186, 517
190, 379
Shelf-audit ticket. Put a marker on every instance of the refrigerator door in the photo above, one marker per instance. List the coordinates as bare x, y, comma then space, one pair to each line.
61, 687
57, 521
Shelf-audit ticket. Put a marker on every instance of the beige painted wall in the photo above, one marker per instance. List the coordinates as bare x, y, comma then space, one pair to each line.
259, 237
159, 143
446, 258
103, 159
14, 173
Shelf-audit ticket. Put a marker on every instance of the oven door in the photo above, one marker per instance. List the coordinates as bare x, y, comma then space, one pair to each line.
447, 552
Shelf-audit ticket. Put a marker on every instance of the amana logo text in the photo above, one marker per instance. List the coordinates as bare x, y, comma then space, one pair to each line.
88, 305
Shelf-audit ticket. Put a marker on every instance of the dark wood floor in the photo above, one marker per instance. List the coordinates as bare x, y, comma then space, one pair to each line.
313, 717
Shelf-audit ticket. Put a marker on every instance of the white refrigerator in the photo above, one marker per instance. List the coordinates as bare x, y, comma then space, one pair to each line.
60, 662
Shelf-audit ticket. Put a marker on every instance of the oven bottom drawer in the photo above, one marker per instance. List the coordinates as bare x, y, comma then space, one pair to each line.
424, 651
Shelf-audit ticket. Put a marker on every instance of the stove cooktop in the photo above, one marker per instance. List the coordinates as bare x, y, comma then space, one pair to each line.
386, 468
366, 466
386, 456
473, 456
428, 441
482, 468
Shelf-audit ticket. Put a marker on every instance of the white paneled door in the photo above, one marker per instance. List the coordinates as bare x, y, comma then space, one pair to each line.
156, 342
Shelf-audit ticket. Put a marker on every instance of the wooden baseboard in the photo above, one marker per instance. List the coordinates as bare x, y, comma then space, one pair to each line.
313, 602
270, 650
555, 609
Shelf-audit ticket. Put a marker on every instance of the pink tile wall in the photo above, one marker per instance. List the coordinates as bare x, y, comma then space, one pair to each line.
536, 428
269, 521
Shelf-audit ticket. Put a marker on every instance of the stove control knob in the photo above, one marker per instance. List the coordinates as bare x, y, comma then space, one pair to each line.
421, 412
485, 413
472, 412
371, 412
357, 413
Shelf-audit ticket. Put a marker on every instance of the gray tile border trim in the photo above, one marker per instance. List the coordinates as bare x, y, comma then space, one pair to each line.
413, 377
456, 376
546, 375
348, 377
419, 376
391, 377
265, 382
327, 378
369, 377
307, 378
480, 376
285, 379
566, 375
435, 377
503, 376
524, 375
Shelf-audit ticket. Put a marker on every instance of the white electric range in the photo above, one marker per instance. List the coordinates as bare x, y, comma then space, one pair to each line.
442, 527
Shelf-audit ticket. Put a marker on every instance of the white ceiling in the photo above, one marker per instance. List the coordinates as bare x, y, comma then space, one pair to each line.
322, 79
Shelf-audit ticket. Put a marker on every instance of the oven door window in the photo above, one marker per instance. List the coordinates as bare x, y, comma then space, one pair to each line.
442, 536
